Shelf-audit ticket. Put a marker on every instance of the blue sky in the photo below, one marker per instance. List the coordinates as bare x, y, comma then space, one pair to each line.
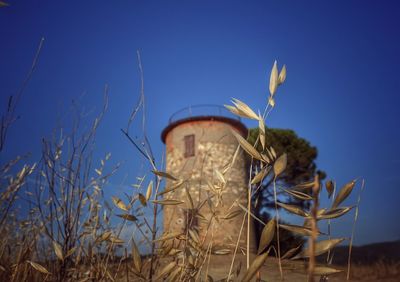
342, 90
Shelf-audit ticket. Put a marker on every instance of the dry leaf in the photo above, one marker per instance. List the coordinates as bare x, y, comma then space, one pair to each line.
116, 240
255, 266
273, 79
127, 217
118, 202
244, 109
273, 153
344, 193
280, 164
58, 250
149, 190
222, 252
301, 230
164, 174
220, 176
293, 209
282, 75
167, 202
70, 252
172, 188
320, 248
142, 199
38, 267
261, 175
291, 252
334, 213
324, 270
232, 214
271, 101
105, 236
137, 259
174, 275
193, 234
247, 146
167, 236
166, 270
267, 235
299, 195
261, 127
329, 187
191, 205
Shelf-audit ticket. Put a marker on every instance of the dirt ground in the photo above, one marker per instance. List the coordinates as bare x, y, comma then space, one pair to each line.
219, 266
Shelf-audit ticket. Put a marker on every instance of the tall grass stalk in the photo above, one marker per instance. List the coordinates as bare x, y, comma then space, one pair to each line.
277, 230
353, 229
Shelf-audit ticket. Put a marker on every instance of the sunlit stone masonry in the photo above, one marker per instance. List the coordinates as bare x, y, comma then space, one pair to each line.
197, 148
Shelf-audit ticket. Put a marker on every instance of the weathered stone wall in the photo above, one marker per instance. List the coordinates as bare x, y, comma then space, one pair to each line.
215, 147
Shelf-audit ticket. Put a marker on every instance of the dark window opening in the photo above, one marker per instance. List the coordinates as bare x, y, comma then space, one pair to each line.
189, 146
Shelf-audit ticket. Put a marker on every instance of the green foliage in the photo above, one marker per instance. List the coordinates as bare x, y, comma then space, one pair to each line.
300, 167
301, 155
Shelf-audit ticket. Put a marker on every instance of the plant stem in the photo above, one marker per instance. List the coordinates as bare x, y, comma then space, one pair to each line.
353, 231
248, 227
314, 229
277, 229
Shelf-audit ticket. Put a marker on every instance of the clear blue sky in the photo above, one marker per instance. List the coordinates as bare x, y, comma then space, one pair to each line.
342, 90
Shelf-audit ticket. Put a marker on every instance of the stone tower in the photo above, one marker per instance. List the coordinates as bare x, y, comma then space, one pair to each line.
197, 145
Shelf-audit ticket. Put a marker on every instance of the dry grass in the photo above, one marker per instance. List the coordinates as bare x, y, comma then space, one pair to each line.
68, 233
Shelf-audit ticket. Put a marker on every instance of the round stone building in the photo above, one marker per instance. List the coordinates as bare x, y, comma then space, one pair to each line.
199, 147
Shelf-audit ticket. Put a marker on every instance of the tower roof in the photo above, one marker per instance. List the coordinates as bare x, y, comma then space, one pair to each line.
203, 113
